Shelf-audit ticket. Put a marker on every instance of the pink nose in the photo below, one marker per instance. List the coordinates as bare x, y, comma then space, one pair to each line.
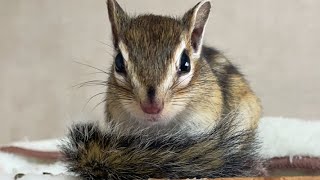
151, 108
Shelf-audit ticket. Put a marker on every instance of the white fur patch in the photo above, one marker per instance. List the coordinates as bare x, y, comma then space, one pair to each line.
125, 54
185, 79
177, 55
119, 78
172, 70
124, 50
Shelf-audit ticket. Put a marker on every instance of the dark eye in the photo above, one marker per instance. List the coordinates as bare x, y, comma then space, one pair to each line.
119, 64
185, 65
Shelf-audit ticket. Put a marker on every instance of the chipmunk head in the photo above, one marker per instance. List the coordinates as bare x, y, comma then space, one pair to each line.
156, 61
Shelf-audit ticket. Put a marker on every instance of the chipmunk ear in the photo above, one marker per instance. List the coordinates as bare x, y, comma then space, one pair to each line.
118, 18
195, 20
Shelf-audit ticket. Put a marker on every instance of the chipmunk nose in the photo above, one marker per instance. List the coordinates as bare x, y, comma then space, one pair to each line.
151, 108
151, 93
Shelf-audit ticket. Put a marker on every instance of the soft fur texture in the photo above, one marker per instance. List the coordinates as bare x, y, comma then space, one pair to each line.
224, 152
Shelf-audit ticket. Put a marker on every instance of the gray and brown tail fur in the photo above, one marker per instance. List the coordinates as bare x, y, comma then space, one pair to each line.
223, 152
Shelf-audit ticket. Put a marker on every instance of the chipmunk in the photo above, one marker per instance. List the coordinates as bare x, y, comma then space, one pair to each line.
164, 77
175, 108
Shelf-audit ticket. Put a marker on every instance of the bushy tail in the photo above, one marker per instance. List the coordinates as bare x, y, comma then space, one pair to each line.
224, 152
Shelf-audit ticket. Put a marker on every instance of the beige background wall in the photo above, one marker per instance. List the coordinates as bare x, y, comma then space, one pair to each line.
276, 44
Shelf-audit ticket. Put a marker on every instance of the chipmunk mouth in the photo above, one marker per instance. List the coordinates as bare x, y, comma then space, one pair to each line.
154, 116
152, 110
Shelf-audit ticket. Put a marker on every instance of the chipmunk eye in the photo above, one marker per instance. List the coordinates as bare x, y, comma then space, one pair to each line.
185, 65
119, 64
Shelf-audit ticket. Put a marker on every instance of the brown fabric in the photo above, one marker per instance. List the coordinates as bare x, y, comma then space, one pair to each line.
42, 155
266, 178
273, 178
298, 162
